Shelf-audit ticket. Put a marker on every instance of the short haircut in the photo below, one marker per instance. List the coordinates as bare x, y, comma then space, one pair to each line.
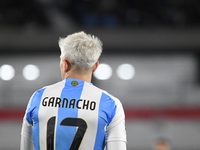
81, 50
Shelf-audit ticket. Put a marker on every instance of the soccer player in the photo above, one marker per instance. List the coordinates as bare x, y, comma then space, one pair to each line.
73, 114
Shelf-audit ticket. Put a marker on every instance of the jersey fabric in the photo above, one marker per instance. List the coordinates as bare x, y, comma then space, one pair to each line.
74, 115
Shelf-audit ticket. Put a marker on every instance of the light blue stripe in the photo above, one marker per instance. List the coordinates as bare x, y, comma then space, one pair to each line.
32, 116
65, 134
107, 109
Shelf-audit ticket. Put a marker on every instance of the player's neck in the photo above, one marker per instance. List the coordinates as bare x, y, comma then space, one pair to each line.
81, 76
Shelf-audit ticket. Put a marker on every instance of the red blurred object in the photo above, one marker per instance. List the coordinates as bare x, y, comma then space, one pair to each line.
132, 113
165, 113
9, 114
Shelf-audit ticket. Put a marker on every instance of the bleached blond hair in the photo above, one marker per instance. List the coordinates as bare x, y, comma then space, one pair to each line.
80, 49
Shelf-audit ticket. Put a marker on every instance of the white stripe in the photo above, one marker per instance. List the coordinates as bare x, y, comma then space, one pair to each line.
45, 113
90, 116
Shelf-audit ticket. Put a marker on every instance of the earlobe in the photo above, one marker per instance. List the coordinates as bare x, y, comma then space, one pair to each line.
66, 65
95, 66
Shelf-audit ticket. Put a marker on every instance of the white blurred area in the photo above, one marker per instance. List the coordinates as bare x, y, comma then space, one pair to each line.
159, 80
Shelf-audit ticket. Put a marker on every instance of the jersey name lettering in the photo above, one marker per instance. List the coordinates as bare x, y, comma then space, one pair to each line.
65, 103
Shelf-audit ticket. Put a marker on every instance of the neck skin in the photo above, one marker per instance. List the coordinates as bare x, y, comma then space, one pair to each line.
76, 75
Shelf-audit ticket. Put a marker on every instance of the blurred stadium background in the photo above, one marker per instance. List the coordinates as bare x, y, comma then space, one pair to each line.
151, 62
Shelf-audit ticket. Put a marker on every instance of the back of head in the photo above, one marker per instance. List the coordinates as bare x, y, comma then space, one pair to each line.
81, 50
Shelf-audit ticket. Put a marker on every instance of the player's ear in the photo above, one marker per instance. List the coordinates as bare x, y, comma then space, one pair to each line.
95, 66
67, 65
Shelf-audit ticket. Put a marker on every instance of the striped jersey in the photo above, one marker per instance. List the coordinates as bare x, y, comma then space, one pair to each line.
74, 115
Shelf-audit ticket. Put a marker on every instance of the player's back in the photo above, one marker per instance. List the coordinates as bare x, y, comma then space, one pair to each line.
71, 114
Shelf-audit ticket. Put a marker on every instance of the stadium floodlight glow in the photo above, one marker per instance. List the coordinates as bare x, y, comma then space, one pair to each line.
7, 72
103, 72
125, 71
31, 72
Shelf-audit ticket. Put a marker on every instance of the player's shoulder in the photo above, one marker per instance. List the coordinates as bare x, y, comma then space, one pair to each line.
57, 84
108, 95
51, 86
37, 95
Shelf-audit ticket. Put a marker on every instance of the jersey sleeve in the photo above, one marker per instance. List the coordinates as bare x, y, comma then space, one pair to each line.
116, 145
26, 136
116, 131
29, 109
34, 103
26, 132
